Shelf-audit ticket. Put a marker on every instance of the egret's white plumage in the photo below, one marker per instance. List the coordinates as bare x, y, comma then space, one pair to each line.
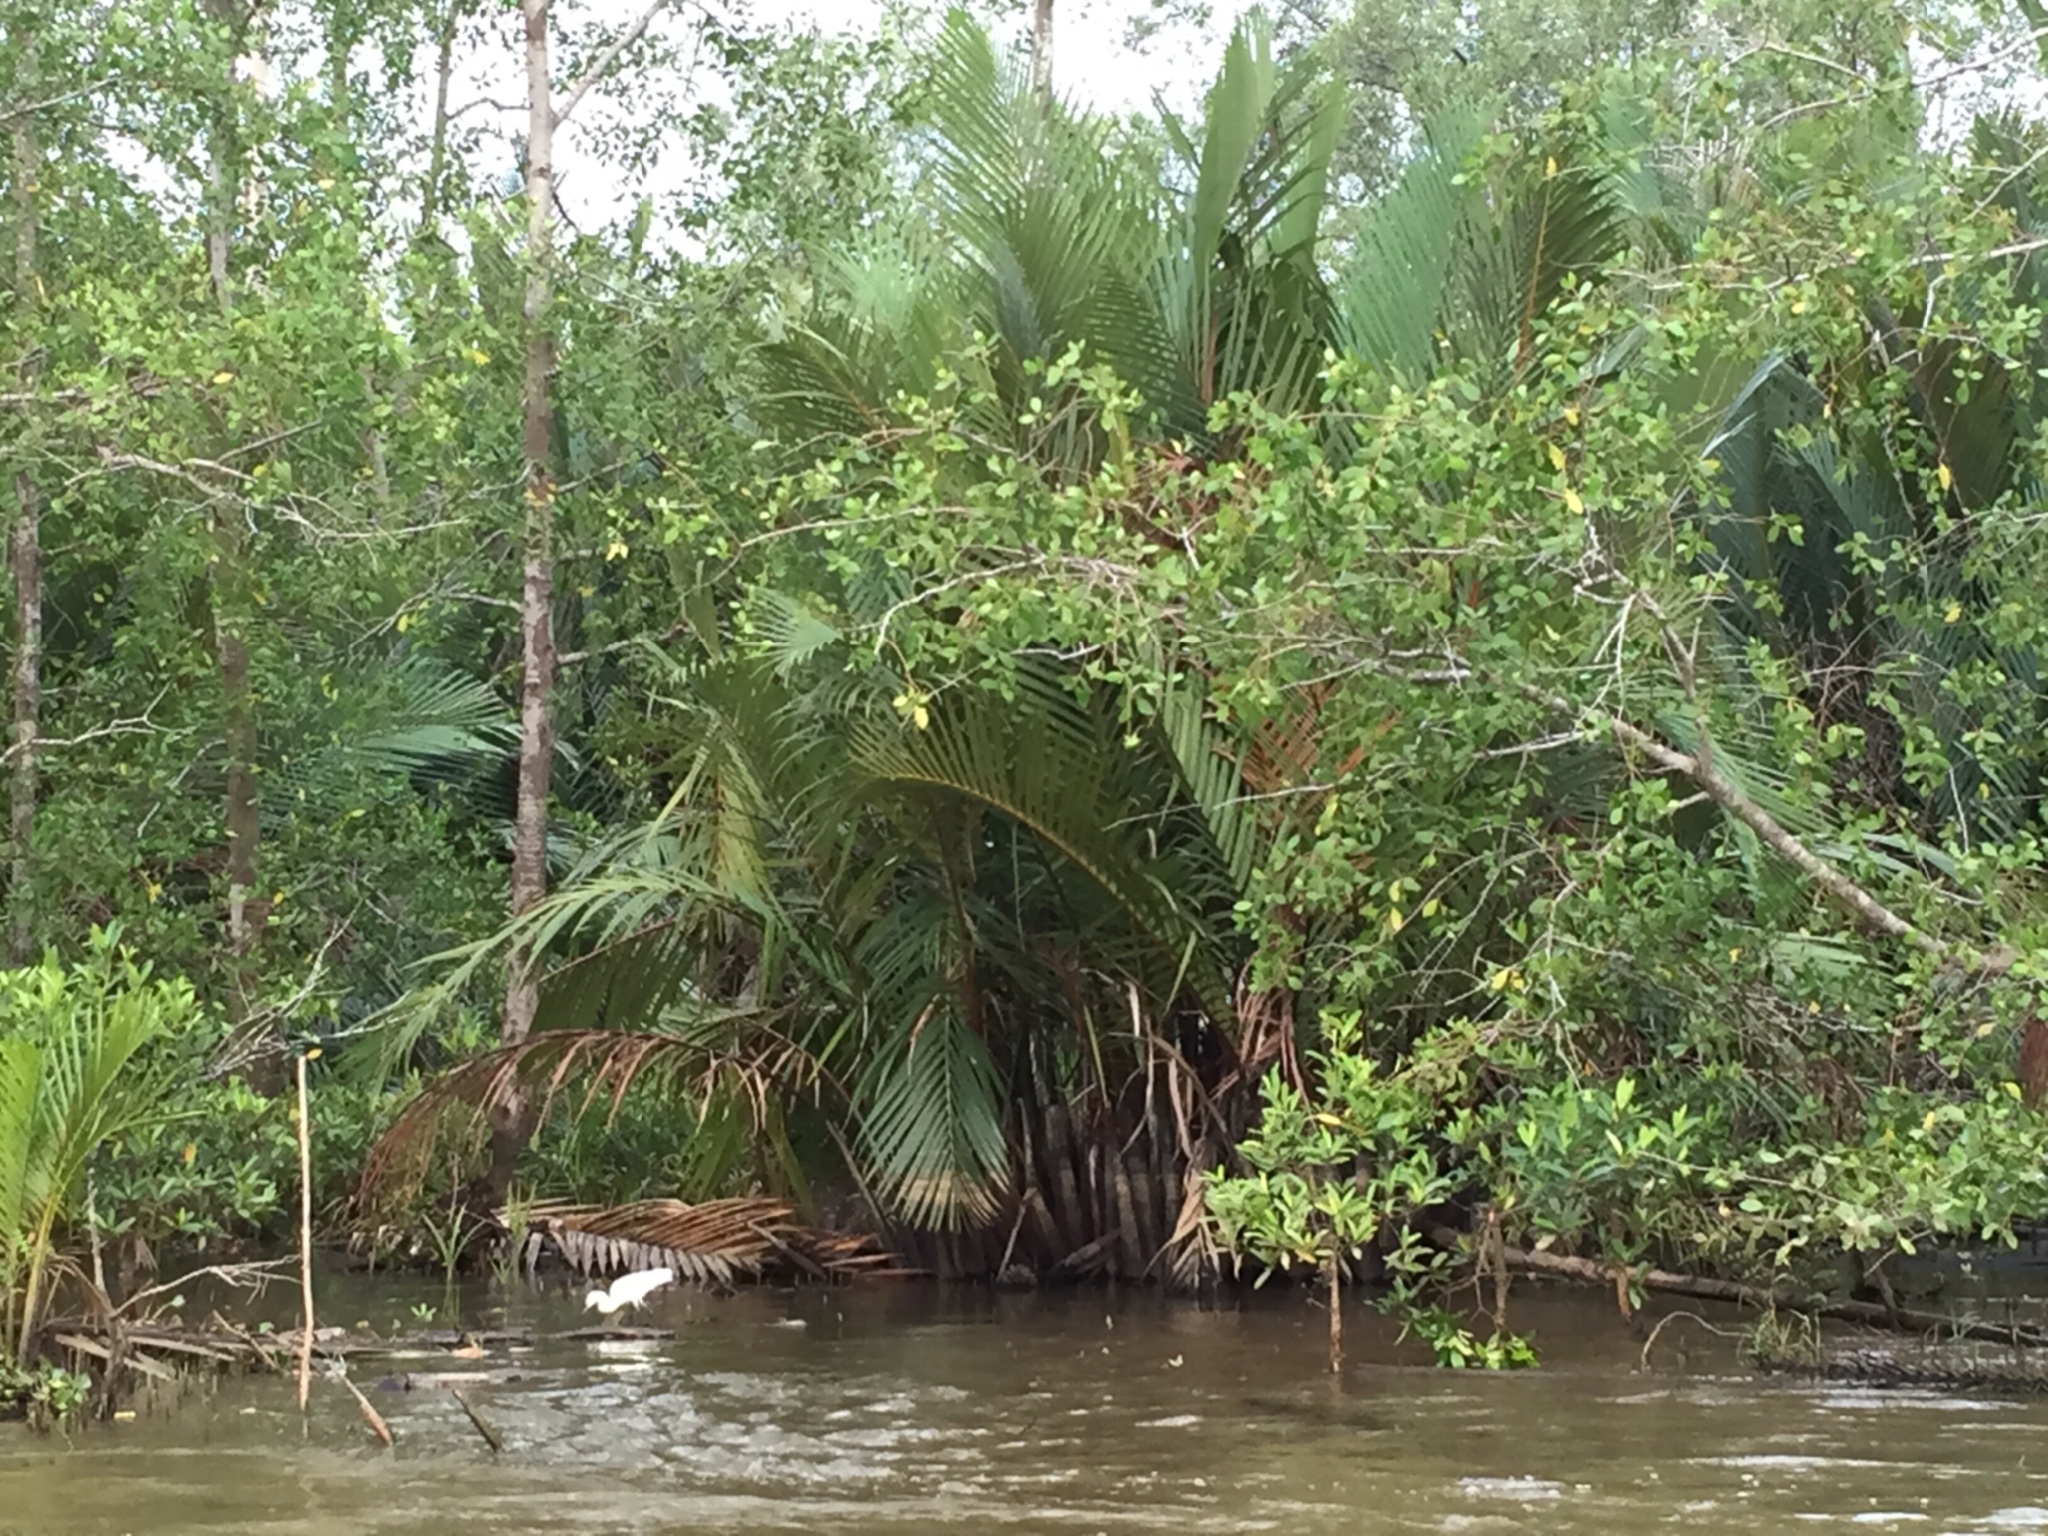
628, 1290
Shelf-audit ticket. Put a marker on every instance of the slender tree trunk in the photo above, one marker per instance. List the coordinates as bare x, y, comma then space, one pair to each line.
1041, 47
437, 156
536, 606
25, 554
228, 581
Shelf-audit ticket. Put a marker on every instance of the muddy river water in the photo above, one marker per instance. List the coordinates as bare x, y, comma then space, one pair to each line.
901, 1408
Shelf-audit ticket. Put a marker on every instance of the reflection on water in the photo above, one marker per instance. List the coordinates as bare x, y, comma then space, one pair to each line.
900, 1409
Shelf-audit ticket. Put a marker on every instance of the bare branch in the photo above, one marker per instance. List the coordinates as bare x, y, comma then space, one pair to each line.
1724, 792
570, 658
136, 725
604, 61
30, 108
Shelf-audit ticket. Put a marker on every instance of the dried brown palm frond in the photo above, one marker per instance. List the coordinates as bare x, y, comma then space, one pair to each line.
763, 1065
712, 1242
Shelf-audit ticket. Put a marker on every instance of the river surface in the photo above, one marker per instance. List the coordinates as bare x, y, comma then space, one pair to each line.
902, 1408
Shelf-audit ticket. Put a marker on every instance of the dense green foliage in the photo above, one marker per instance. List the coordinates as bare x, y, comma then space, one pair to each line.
1436, 643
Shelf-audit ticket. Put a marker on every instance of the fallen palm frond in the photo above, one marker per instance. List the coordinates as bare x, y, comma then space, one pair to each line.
607, 1062
716, 1242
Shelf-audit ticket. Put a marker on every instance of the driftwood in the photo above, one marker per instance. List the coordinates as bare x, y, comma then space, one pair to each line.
371, 1417
1873, 1314
490, 1435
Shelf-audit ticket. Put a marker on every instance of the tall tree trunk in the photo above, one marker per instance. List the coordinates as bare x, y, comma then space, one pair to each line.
536, 605
228, 583
25, 552
1041, 48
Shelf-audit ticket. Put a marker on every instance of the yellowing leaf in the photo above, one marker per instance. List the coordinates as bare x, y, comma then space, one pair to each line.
1572, 502
223, 377
480, 358
616, 550
1927, 1122
1955, 612
1431, 907
404, 622
1556, 456
1945, 475
1394, 920
922, 716
1571, 415
191, 1151
1550, 166
325, 183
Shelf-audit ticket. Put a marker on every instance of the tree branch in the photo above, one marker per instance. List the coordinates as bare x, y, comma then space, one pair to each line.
133, 726
602, 66
1730, 796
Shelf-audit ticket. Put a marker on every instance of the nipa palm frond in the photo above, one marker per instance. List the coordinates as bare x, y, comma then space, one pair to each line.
932, 1130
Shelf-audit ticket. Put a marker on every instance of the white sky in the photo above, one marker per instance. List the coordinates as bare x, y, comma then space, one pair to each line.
1092, 64
1090, 61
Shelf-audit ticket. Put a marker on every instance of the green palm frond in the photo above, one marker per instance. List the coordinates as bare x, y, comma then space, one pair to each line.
1060, 770
1214, 775
932, 1129
412, 717
75, 1076
1394, 294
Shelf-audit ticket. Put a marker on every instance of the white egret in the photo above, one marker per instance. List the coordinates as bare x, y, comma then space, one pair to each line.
628, 1290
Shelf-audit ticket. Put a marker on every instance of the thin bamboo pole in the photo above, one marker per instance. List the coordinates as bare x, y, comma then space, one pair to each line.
305, 1241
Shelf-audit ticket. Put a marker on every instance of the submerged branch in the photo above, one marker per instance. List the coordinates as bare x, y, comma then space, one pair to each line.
1758, 1298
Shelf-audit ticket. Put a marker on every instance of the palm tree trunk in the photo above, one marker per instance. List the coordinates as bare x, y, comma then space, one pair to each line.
536, 605
25, 555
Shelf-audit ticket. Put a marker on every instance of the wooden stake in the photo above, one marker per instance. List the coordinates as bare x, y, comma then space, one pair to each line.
305, 1241
1332, 1272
